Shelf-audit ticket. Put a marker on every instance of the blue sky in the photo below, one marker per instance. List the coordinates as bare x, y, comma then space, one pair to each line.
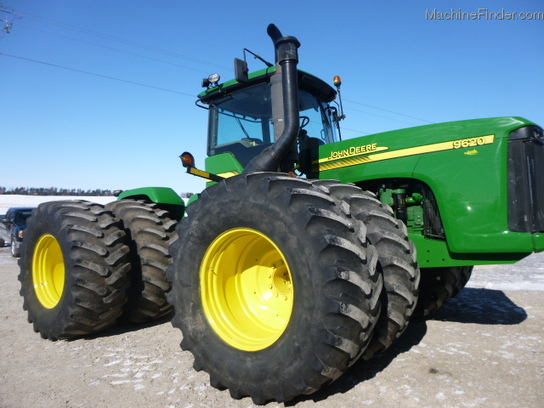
72, 129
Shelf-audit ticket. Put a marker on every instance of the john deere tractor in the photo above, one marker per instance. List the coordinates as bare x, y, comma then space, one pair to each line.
299, 258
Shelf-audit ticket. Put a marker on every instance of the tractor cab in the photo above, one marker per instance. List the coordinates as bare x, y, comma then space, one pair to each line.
244, 121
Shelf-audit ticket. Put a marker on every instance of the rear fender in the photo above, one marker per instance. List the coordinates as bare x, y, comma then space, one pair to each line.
164, 197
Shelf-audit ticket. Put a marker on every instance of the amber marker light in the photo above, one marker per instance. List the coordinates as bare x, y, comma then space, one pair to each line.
187, 159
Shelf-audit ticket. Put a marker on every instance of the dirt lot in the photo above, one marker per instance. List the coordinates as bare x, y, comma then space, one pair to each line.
483, 349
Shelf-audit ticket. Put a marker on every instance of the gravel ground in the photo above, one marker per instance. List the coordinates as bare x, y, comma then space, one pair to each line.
483, 349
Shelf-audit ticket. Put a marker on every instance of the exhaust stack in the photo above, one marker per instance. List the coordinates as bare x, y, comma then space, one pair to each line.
286, 62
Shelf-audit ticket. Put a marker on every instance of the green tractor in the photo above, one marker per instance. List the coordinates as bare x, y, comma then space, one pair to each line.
299, 258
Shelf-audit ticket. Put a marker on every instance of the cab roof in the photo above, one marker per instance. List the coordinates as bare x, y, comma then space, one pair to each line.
307, 82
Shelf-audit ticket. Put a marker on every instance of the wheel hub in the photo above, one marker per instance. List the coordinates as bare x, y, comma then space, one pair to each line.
48, 271
247, 289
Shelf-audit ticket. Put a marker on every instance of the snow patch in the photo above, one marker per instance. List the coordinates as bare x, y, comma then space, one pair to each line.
528, 286
7, 200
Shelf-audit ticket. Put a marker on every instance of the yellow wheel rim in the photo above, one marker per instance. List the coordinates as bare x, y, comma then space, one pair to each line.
247, 289
48, 273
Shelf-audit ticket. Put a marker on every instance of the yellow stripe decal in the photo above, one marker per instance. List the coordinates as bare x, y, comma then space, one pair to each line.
228, 174
200, 173
355, 159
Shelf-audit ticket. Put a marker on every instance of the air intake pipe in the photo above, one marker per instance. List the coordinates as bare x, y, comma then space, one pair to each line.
287, 59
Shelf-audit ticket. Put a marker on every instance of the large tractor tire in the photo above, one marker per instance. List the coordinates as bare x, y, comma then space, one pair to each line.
74, 269
397, 259
150, 231
439, 285
274, 287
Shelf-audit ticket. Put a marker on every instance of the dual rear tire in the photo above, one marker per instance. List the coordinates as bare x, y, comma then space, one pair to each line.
85, 267
150, 231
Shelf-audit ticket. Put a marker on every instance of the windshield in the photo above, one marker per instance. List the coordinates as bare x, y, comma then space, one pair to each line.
241, 123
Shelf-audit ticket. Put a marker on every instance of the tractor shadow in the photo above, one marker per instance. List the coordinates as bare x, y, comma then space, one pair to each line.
120, 327
481, 306
471, 306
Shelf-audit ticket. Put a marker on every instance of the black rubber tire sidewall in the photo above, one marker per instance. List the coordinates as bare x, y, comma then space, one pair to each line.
51, 323
296, 363
150, 231
95, 256
439, 285
397, 257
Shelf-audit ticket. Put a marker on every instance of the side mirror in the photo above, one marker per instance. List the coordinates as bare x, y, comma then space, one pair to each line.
241, 71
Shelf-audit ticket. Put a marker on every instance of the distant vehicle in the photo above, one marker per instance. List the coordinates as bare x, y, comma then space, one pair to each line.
12, 228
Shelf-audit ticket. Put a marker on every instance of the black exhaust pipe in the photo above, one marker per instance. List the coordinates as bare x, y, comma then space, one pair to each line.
287, 59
